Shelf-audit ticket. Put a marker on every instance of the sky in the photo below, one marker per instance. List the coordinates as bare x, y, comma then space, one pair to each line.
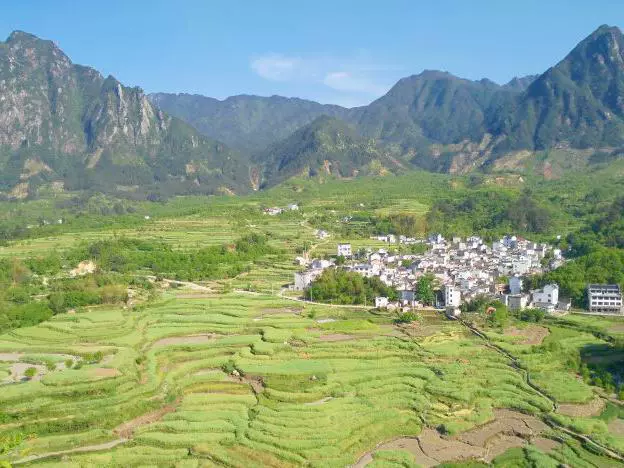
333, 51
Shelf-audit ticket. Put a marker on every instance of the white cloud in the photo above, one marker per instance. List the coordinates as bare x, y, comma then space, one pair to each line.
351, 79
277, 67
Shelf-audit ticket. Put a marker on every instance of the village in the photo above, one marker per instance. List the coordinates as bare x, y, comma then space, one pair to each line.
463, 270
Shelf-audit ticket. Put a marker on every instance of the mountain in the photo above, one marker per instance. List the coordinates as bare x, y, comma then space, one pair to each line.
325, 147
430, 107
520, 83
577, 103
66, 123
245, 122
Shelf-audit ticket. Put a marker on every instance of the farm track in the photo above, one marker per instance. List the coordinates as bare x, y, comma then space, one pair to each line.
514, 363
60, 453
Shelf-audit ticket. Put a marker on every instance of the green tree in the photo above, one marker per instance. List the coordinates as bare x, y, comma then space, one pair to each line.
425, 289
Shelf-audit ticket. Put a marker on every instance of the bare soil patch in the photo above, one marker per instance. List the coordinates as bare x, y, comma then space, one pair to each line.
17, 372
126, 429
107, 372
434, 446
411, 445
617, 427
255, 381
593, 408
10, 356
617, 328
336, 337
182, 340
509, 429
531, 335
544, 444
501, 444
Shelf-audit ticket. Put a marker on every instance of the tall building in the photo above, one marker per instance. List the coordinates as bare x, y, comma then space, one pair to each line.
452, 296
605, 298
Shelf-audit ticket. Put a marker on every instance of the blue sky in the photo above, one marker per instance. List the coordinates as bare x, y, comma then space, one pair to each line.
338, 51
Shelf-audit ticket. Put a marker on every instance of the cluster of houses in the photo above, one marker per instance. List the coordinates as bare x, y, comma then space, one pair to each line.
275, 210
464, 269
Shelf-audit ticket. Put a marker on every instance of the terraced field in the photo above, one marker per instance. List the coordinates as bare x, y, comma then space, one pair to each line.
252, 380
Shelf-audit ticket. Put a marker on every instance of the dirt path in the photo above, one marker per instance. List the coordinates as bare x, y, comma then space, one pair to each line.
86, 448
125, 430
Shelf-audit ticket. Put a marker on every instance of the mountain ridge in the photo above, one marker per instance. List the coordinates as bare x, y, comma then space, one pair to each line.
66, 123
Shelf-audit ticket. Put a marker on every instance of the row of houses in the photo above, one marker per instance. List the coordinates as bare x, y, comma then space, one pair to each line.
466, 269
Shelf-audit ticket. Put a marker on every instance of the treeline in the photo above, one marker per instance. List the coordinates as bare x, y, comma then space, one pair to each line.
35, 289
346, 287
488, 212
31, 292
215, 262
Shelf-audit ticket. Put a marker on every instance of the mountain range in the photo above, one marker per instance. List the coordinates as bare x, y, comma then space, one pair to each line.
66, 127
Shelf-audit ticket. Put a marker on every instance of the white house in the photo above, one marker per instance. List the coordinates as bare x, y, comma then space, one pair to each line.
344, 250
452, 296
547, 298
303, 279
515, 285
381, 302
365, 269
293, 207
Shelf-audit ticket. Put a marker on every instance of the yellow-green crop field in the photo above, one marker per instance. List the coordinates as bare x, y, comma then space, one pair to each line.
242, 379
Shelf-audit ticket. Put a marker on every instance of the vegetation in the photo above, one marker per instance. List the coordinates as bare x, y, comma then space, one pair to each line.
345, 287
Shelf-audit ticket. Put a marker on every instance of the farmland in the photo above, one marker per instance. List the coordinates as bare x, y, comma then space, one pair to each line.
239, 378
227, 370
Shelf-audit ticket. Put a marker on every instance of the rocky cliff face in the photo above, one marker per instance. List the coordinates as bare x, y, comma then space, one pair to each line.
77, 126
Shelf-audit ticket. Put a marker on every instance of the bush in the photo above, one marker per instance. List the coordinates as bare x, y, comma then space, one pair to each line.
407, 317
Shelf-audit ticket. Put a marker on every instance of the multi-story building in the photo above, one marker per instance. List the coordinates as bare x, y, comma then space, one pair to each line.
605, 298
344, 250
452, 296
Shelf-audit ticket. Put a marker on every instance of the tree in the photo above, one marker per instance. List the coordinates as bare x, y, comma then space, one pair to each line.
30, 372
424, 289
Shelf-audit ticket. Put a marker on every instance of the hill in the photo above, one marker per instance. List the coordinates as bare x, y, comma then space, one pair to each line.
327, 146
66, 123
245, 122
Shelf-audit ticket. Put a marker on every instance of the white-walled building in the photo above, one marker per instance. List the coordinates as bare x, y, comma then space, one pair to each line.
381, 302
452, 296
303, 279
546, 298
344, 250
605, 298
